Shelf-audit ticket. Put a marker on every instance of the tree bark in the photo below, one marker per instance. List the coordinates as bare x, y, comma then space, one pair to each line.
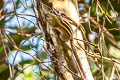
69, 60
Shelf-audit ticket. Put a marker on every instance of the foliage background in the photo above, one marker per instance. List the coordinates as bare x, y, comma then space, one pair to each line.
18, 31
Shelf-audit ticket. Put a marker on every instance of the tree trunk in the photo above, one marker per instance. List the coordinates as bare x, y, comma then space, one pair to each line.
68, 57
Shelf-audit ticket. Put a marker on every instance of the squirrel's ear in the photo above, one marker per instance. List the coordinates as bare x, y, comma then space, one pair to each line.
50, 5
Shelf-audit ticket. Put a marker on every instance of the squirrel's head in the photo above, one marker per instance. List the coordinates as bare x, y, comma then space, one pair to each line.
52, 19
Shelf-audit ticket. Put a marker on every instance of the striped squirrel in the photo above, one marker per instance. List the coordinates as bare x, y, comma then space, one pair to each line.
60, 23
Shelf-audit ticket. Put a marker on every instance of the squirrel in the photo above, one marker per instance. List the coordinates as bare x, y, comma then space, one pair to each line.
60, 24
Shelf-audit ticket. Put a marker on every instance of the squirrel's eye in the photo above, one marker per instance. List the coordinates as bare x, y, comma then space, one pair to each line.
47, 15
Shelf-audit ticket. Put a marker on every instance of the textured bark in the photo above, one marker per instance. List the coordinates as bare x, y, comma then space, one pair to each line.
1, 7
70, 63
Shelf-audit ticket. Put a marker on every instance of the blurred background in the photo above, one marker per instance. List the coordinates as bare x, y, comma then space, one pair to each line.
22, 52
